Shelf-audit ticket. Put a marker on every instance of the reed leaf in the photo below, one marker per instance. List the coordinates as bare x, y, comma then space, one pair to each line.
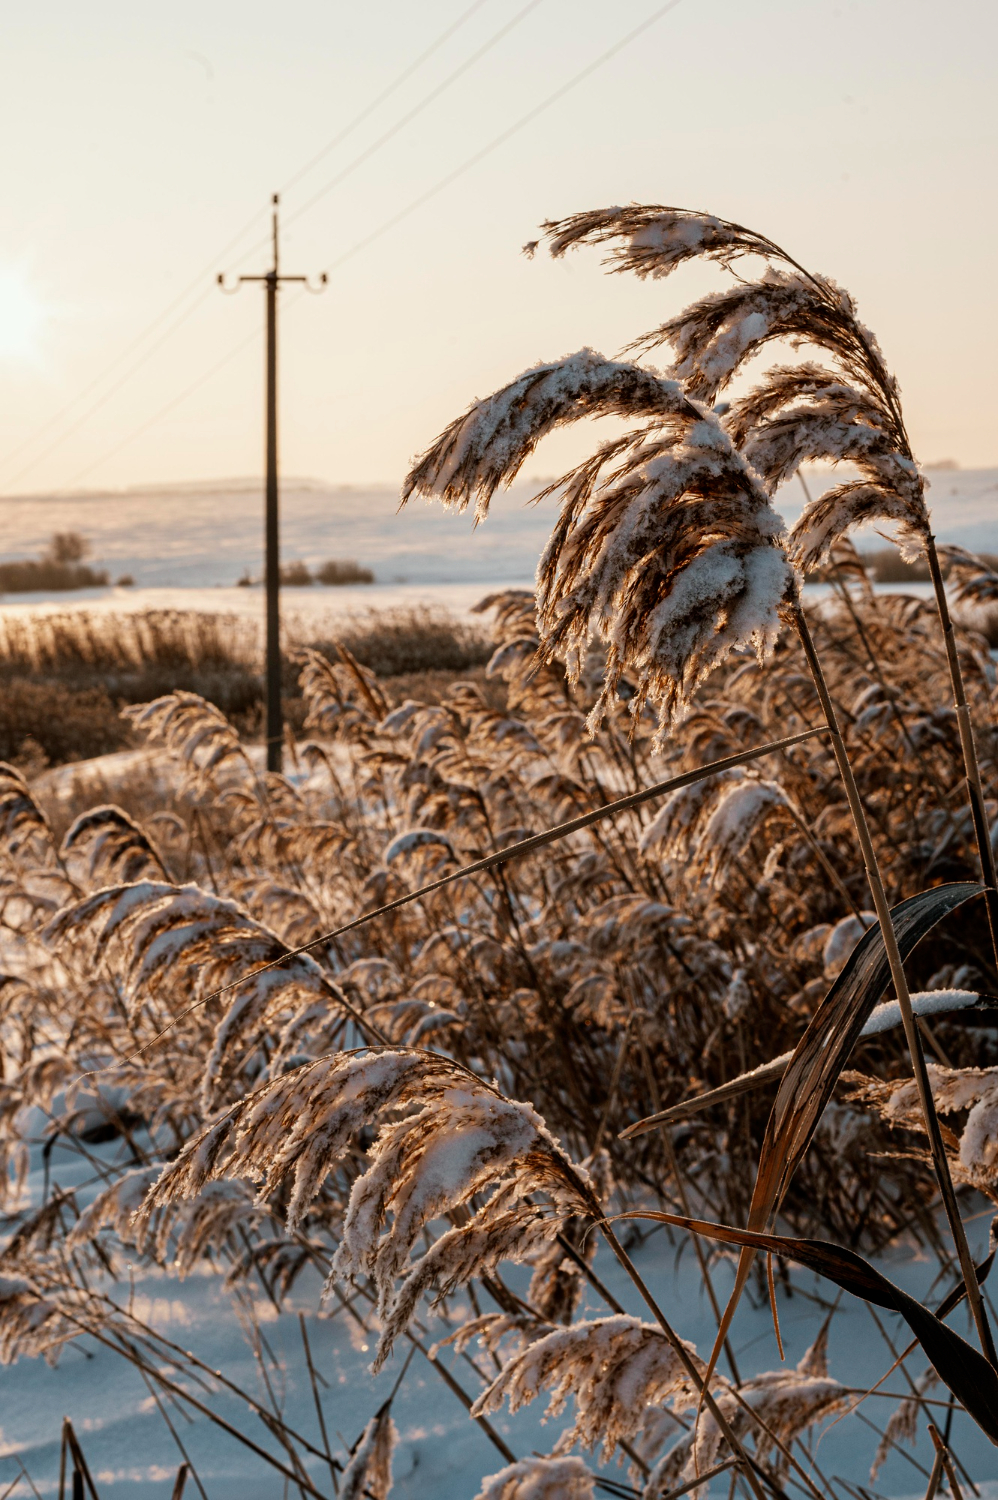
963, 1369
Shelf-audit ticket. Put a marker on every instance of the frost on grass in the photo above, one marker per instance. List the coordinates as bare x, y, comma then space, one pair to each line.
460, 1139
540, 1479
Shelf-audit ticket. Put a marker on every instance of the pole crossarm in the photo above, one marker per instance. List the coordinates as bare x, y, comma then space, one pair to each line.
272, 281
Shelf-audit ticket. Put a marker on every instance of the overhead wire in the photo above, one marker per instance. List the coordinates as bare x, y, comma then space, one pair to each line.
112, 391
417, 109
392, 88
416, 203
504, 135
164, 411
135, 343
198, 281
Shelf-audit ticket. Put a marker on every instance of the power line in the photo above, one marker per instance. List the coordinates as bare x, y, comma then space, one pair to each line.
197, 281
404, 213
417, 109
504, 135
396, 84
111, 391
165, 410
140, 339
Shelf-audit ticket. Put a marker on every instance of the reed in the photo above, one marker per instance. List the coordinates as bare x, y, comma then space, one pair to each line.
416, 1014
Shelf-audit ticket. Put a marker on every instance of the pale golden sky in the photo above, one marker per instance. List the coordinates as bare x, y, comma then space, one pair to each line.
140, 139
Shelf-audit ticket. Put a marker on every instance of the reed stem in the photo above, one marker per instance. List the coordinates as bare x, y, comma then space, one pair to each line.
972, 769
682, 1353
901, 990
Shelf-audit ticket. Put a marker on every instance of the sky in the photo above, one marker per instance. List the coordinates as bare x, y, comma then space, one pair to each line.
143, 143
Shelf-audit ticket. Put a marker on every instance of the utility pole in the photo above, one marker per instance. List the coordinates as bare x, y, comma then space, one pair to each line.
272, 280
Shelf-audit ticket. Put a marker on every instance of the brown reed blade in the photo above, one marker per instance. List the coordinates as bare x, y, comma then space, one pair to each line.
811, 1072
745, 1083
79, 1462
960, 1366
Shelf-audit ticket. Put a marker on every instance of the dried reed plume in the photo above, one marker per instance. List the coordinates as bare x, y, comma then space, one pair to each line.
666, 546
463, 1139
670, 956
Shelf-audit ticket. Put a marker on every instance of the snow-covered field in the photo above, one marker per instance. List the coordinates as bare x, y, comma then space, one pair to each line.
202, 536
186, 547
304, 610
442, 1454
210, 534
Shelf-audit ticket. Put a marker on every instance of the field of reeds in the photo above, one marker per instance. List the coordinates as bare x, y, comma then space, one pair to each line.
65, 677
678, 917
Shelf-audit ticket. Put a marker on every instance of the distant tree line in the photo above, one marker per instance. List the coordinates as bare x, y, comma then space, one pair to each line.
298, 574
61, 566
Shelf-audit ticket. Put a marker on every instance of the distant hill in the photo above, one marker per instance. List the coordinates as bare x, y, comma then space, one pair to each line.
203, 534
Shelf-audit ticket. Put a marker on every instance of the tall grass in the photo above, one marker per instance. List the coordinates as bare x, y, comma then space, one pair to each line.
652, 920
65, 677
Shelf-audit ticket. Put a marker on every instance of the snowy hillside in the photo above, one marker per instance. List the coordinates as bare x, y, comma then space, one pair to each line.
212, 534
198, 535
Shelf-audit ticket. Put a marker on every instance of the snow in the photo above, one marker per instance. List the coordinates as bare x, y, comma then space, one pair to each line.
441, 1455
204, 537
923, 1003
306, 612
211, 534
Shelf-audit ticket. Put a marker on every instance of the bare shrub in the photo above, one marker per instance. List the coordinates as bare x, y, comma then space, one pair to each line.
337, 573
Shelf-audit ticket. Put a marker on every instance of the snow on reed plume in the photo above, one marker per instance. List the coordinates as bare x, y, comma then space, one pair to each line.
974, 1152
463, 1138
179, 1234
111, 848
190, 728
710, 824
29, 1324
621, 1372
973, 579
177, 944
615, 1369
539, 1479
666, 548
24, 829
851, 412
369, 1471
786, 1401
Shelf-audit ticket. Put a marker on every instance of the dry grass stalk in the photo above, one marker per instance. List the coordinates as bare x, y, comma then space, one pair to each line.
795, 414
710, 951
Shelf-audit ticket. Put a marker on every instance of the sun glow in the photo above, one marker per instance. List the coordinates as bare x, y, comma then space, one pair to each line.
22, 318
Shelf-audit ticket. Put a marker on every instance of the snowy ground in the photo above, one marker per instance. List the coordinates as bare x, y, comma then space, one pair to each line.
178, 544
304, 610
442, 1454
210, 534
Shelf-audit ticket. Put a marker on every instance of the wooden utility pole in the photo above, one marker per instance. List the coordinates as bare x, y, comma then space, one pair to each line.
272, 280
